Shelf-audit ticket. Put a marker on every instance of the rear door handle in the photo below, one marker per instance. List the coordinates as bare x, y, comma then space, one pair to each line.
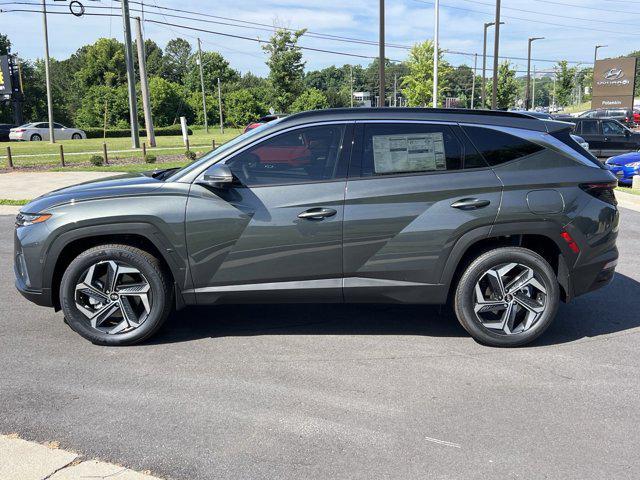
470, 203
317, 213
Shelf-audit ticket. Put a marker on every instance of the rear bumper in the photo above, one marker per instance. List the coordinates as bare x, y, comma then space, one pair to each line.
593, 275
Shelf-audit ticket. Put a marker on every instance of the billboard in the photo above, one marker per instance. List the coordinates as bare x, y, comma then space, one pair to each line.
5, 76
614, 83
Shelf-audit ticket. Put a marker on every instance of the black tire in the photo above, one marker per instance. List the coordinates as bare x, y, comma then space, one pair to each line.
147, 264
76, 136
35, 138
465, 294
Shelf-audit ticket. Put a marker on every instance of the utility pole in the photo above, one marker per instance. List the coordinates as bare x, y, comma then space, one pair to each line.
473, 82
555, 77
381, 56
436, 35
131, 75
144, 84
351, 75
47, 73
204, 98
527, 98
496, 53
220, 107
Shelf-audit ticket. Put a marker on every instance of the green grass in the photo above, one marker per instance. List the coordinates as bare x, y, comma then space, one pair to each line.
18, 203
127, 168
581, 107
48, 154
629, 190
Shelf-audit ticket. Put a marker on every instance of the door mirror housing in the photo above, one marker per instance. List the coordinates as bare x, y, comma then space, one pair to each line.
217, 175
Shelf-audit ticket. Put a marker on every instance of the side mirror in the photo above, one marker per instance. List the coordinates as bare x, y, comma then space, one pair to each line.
217, 175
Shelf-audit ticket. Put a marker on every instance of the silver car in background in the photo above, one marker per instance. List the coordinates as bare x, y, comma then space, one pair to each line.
38, 131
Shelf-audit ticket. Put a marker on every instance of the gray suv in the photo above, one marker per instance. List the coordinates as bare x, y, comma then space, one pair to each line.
500, 214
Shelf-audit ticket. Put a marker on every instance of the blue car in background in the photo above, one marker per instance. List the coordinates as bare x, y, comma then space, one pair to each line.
624, 166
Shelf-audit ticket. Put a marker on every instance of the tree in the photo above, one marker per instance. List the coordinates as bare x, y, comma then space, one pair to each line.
243, 107
286, 67
459, 81
564, 83
155, 59
417, 85
166, 100
507, 86
101, 99
176, 53
5, 44
311, 99
214, 66
102, 63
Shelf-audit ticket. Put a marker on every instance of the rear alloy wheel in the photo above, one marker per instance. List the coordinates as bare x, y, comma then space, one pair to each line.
76, 136
115, 295
507, 297
35, 137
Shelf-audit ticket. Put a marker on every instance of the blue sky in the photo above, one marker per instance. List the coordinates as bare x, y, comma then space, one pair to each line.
571, 27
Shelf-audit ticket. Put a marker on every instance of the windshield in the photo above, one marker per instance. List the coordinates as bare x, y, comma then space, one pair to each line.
223, 148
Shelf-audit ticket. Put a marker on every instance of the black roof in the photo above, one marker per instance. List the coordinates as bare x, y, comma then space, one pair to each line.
480, 117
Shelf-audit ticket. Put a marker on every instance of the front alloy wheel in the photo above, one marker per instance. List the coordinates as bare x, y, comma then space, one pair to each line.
115, 297
116, 294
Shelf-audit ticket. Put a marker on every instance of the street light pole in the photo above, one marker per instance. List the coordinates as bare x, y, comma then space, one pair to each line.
47, 75
131, 75
527, 98
496, 53
381, 56
483, 90
595, 55
436, 34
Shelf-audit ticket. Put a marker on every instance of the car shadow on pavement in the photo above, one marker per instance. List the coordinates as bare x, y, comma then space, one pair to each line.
603, 312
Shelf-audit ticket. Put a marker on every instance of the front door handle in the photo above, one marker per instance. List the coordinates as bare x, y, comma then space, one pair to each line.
470, 203
317, 213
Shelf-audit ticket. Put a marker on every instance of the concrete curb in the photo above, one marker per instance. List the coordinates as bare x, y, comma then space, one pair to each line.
628, 200
23, 460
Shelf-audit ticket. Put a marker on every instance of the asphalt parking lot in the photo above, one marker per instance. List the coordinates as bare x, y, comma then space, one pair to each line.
322, 391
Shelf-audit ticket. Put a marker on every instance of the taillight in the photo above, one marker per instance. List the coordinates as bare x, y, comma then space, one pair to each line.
601, 191
571, 242
19, 130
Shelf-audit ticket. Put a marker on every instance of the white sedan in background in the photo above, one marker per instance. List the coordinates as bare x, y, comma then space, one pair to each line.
37, 131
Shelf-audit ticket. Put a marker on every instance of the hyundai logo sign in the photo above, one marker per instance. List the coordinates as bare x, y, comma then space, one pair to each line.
614, 77
614, 74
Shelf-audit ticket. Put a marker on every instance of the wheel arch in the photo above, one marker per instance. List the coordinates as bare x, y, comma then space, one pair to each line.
141, 235
540, 237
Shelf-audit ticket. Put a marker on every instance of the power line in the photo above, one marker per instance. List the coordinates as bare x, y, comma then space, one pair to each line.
563, 25
584, 7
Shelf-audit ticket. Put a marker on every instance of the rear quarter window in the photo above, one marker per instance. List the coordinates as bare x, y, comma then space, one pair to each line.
498, 147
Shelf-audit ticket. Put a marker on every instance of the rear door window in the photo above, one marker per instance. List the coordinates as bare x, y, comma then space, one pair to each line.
407, 148
612, 128
589, 127
499, 147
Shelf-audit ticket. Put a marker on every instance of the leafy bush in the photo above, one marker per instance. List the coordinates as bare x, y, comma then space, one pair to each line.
150, 158
97, 132
190, 155
96, 160
311, 99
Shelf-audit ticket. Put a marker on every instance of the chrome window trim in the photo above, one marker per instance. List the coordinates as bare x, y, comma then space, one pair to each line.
200, 173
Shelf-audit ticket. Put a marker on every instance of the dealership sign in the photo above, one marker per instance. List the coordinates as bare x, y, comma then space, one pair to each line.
614, 83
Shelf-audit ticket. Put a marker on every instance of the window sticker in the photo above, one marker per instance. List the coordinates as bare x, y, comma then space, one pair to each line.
412, 152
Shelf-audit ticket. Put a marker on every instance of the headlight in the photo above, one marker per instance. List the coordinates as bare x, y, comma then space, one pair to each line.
24, 219
633, 164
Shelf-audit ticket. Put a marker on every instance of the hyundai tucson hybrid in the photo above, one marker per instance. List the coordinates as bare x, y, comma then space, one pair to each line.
498, 214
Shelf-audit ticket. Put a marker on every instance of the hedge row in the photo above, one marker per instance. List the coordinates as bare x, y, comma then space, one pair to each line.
125, 132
